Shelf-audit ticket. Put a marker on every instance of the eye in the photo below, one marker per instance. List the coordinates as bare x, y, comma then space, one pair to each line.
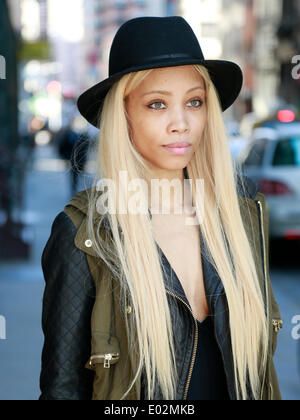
196, 103
153, 105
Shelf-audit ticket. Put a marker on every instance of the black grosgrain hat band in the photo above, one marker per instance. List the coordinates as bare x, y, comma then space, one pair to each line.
153, 42
157, 58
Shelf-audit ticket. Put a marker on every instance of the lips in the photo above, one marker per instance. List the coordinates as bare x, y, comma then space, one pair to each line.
178, 145
179, 149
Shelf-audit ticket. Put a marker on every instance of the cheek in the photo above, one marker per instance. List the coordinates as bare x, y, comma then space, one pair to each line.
145, 131
199, 123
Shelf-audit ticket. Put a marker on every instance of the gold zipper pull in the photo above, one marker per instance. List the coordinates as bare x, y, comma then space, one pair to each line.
277, 324
107, 359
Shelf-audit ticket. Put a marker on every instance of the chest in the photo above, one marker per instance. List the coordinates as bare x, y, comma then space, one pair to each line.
181, 245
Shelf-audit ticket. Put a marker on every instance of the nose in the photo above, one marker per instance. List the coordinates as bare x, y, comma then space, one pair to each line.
178, 122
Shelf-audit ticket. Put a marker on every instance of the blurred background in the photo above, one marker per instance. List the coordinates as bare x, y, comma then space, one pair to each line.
50, 52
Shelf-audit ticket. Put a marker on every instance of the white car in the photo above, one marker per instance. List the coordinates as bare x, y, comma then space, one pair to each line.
272, 160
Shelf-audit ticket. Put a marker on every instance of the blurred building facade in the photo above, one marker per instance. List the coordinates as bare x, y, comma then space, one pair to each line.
206, 20
65, 34
238, 35
75, 39
262, 36
11, 161
271, 38
289, 47
267, 79
244, 32
102, 20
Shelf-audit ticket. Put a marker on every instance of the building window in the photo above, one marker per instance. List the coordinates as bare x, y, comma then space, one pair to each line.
121, 3
209, 30
140, 3
170, 8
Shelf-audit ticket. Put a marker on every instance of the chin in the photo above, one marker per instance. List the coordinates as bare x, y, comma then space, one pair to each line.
177, 162
176, 165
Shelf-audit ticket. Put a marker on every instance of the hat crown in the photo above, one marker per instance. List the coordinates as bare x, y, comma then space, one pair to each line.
144, 40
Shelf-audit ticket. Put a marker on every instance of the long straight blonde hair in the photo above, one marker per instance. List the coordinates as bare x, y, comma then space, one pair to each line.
139, 269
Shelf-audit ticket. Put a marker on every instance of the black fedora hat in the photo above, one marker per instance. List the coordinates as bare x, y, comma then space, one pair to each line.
152, 42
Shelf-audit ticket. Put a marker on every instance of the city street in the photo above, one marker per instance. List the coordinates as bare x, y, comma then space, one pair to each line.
21, 283
21, 288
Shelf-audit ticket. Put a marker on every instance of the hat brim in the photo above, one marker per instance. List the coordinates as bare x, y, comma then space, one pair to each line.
226, 76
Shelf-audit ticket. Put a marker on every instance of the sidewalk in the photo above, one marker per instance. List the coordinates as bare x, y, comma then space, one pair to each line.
22, 283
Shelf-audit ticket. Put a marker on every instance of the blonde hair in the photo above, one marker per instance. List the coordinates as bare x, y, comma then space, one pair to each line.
139, 269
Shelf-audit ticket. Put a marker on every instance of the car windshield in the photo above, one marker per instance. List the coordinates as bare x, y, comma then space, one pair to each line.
287, 152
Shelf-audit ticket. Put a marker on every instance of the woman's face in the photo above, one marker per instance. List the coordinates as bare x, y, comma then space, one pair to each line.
168, 107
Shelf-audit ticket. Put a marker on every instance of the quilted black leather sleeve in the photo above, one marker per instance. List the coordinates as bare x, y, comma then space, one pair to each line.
67, 307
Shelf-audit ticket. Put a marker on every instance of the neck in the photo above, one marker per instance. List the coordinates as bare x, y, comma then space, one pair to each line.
167, 174
168, 199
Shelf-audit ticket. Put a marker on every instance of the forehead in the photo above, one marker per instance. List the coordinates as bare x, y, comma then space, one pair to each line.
172, 76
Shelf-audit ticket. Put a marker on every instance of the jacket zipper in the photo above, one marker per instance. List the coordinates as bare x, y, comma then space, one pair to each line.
107, 359
261, 227
195, 344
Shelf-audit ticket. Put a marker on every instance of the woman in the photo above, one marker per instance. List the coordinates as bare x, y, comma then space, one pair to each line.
145, 304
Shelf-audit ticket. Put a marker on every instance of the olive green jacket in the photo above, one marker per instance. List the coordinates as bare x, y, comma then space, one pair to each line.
114, 368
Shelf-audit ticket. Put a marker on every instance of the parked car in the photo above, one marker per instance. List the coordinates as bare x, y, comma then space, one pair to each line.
272, 160
236, 141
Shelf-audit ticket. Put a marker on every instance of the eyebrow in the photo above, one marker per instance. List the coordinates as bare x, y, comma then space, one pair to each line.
165, 92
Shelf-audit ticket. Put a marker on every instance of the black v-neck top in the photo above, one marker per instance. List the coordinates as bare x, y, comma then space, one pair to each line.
208, 381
